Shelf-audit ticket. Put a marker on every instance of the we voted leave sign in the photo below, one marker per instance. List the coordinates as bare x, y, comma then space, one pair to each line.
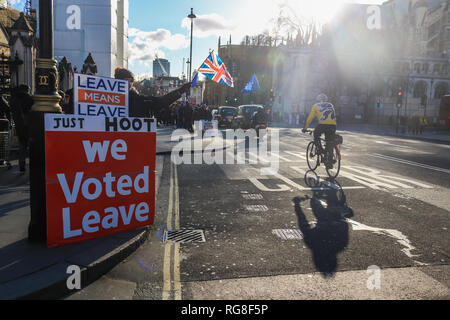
100, 176
100, 96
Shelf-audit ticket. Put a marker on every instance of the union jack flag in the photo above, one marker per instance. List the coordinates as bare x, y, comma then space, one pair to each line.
216, 70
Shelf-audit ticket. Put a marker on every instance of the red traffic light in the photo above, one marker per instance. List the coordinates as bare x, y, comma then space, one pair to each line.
271, 90
400, 93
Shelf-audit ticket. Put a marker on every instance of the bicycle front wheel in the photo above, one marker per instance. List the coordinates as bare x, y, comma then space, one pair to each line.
312, 156
336, 162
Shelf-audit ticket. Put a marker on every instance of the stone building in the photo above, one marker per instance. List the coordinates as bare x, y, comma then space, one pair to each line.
242, 62
357, 67
18, 48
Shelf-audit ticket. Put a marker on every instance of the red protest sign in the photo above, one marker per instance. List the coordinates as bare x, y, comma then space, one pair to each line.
100, 178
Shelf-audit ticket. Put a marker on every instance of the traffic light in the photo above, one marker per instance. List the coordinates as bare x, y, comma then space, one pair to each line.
271, 95
378, 103
399, 98
236, 99
226, 99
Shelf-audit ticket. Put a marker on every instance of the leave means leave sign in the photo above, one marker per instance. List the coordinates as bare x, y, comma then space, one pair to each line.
100, 96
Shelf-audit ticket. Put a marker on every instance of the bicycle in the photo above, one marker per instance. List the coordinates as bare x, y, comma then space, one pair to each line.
314, 158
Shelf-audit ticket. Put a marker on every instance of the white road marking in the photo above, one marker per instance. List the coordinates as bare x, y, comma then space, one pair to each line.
391, 144
425, 166
374, 178
296, 154
399, 236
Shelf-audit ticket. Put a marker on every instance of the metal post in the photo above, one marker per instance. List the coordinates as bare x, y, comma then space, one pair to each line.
192, 16
398, 114
429, 100
46, 99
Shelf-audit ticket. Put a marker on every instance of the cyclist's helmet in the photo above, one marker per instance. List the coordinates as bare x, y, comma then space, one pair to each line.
322, 98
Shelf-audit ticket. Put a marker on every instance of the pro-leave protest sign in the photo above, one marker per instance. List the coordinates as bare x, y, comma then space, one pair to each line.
100, 176
210, 128
100, 96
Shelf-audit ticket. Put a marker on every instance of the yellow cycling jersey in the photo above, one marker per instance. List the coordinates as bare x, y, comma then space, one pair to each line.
324, 112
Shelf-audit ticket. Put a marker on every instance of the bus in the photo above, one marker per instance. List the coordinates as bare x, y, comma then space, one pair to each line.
444, 112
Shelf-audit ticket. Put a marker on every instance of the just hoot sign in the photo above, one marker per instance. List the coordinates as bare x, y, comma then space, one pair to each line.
100, 179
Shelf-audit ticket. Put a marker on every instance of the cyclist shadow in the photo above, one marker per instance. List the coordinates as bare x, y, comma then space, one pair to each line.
328, 235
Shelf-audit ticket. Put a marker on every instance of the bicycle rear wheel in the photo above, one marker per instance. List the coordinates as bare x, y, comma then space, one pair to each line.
336, 161
312, 156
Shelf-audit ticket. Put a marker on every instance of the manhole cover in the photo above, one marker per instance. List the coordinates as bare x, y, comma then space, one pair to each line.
184, 236
288, 234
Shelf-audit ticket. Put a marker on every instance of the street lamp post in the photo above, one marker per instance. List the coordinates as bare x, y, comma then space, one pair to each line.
46, 100
192, 16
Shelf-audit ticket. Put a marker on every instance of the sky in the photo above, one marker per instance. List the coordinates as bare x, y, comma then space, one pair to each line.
161, 28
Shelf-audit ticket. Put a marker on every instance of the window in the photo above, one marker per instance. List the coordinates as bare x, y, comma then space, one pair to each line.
417, 68
440, 90
425, 67
420, 89
436, 68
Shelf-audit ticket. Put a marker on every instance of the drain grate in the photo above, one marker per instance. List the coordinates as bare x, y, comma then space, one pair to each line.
250, 196
256, 207
288, 234
184, 236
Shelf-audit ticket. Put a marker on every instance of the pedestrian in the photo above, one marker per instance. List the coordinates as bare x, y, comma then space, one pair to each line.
20, 105
179, 115
5, 113
141, 105
187, 116
422, 124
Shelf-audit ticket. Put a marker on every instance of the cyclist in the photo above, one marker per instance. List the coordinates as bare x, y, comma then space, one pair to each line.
326, 116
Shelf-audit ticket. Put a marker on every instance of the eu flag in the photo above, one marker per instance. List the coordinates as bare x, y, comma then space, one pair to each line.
252, 86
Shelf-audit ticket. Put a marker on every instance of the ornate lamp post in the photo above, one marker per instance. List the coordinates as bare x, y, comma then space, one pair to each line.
192, 16
46, 99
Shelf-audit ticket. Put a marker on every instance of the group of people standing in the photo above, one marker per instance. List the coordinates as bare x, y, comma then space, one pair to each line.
183, 115
14, 108
416, 124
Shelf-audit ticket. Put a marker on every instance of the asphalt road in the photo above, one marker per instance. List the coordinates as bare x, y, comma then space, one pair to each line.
379, 231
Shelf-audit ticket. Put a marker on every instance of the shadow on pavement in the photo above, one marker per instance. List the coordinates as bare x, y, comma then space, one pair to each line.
11, 206
328, 235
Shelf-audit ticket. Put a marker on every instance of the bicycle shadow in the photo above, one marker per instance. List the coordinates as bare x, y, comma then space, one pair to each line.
328, 235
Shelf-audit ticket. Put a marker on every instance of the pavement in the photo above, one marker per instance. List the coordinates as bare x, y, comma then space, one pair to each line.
33, 271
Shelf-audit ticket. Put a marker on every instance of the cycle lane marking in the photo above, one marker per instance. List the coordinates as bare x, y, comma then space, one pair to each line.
411, 163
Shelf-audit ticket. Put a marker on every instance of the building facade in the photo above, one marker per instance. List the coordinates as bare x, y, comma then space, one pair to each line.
161, 67
242, 62
18, 48
98, 27
362, 70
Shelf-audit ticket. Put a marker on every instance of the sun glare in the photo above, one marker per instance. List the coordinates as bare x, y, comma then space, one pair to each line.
260, 15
